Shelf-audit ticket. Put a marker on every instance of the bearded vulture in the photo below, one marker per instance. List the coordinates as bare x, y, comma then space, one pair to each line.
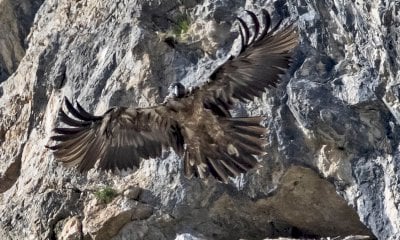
196, 124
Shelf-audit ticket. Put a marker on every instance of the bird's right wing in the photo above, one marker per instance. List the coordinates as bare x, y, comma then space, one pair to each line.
117, 139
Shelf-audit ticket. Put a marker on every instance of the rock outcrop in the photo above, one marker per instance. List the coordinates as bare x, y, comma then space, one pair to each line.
16, 18
334, 122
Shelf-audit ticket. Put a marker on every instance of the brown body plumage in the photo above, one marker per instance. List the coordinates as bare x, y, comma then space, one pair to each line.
198, 125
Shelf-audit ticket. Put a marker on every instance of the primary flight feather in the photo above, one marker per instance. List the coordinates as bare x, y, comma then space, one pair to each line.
197, 125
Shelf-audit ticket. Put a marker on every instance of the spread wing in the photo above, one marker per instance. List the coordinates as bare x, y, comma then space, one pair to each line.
118, 139
264, 56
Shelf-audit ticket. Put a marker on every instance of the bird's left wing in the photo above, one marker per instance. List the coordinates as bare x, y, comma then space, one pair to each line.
264, 56
117, 139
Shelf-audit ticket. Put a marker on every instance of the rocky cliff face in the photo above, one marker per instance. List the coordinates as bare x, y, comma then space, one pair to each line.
334, 153
16, 18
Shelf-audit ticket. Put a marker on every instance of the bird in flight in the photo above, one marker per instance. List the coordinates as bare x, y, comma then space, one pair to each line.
196, 124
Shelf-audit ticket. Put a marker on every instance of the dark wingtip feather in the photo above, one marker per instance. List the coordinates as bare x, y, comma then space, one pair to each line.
62, 138
48, 146
242, 47
64, 118
85, 116
245, 30
52, 147
256, 25
267, 24
60, 130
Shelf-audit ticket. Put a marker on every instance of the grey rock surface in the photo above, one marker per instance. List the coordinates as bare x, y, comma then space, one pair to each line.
16, 18
334, 153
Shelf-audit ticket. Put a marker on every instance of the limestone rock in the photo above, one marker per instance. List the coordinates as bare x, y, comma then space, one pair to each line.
105, 222
333, 144
132, 193
16, 18
72, 229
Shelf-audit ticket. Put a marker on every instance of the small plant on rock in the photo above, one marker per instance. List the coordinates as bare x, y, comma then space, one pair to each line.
105, 194
182, 25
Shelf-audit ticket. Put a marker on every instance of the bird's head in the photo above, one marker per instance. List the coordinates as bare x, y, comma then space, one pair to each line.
178, 90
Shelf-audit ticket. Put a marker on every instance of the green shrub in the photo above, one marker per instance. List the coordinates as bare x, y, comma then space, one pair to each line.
106, 194
182, 25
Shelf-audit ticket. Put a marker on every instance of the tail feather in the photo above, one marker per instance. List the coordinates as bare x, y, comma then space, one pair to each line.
254, 142
220, 171
231, 167
248, 136
246, 121
246, 149
236, 153
255, 131
244, 166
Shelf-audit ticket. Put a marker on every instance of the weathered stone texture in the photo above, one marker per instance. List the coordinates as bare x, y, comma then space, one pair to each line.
16, 18
334, 152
